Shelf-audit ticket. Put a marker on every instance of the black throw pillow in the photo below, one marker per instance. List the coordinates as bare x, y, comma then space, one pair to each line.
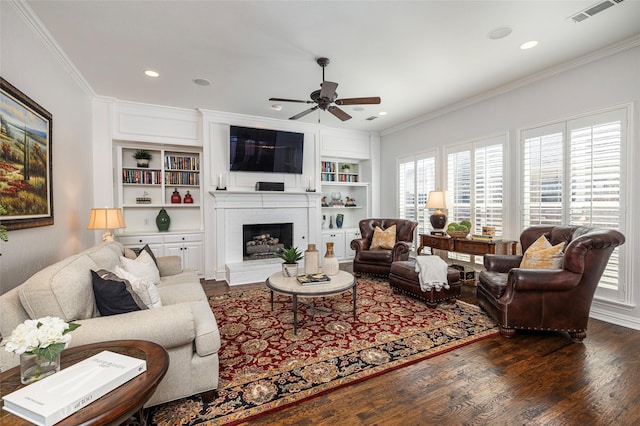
113, 294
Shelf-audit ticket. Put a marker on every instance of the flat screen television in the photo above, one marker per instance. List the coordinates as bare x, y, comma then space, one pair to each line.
262, 150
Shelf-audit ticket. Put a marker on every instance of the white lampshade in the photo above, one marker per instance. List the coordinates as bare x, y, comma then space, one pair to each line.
437, 200
107, 219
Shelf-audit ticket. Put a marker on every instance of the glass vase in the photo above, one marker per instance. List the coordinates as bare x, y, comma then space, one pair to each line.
35, 367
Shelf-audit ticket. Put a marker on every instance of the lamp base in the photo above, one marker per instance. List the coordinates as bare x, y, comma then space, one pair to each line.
438, 220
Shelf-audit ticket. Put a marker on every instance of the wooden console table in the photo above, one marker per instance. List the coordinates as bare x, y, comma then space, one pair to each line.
466, 245
116, 406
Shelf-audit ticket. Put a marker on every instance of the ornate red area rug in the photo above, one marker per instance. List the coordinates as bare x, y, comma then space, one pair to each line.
264, 366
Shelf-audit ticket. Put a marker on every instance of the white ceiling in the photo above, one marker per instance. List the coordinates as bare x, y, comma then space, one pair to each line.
418, 56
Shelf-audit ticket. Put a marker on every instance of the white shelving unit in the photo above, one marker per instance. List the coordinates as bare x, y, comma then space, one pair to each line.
142, 191
343, 193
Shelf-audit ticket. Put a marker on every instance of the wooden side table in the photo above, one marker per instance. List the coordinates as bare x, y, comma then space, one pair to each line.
466, 245
118, 405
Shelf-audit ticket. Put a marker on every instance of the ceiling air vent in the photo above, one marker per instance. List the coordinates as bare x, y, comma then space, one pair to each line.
373, 117
594, 10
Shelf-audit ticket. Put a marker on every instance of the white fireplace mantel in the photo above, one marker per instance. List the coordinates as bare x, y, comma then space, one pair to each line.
233, 209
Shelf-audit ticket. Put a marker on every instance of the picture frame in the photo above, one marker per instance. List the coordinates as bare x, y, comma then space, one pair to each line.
26, 184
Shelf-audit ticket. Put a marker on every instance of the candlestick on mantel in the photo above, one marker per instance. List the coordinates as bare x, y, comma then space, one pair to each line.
310, 187
221, 186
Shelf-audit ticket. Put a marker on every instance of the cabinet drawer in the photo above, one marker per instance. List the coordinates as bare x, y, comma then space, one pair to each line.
184, 238
436, 243
140, 240
473, 247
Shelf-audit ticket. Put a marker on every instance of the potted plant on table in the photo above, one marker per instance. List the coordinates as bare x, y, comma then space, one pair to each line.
290, 256
142, 157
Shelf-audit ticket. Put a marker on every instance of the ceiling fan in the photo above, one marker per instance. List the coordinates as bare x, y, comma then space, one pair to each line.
326, 96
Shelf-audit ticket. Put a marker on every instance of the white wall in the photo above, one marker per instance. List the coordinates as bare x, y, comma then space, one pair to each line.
32, 66
603, 82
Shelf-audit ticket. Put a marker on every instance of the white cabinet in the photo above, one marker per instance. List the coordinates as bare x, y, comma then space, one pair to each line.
155, 243
189, 248
350, 235
337, 238
341, 239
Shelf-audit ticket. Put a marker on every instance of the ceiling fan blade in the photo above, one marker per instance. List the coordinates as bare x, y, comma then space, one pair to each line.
358, 101
338, 113
303, 113
328, 89
290, 100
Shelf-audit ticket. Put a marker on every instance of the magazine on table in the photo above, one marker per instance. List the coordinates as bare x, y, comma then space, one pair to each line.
312, 279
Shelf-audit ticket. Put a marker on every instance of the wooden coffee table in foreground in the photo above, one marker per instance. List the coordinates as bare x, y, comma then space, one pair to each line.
339, 283
118, 405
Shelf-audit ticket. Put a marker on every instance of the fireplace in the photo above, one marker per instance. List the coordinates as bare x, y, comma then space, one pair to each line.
265, 240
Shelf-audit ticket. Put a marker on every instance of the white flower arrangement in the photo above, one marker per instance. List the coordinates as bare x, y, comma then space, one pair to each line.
46, 337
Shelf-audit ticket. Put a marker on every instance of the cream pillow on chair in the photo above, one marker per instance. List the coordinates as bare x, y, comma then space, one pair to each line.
384, 239
142, 267
542, 255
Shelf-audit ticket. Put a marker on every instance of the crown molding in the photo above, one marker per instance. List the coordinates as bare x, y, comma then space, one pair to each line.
32, 20
613, 49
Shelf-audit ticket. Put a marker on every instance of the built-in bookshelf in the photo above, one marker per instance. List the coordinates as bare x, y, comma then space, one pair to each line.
339, 171
143, 190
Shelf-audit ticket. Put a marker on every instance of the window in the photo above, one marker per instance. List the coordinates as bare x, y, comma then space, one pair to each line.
417, 177
475, 186
572, 173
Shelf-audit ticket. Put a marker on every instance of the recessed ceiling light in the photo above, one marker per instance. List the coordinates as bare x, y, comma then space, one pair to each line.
500, 32
201, 81
528, 45
276, 107
151, 73
358, 108
382, 113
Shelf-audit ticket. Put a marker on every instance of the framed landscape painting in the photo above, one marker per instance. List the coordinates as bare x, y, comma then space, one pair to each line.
26, 188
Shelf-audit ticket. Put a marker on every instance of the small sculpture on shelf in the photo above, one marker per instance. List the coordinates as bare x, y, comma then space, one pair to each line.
336, 199
350, 202
145, 199
324, 202
175, 197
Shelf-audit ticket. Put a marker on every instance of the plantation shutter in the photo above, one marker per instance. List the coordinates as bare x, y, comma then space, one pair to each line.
459, 192
488, 208
542, 167
416, 178
595, 147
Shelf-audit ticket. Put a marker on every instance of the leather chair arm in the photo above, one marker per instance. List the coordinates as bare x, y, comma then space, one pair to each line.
501, 262
399, 249
360, 244
542, 279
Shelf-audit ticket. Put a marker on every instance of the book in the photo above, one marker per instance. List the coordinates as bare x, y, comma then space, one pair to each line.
312, 278
58, 396
482, 237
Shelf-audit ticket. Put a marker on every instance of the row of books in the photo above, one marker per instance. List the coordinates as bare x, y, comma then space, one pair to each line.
179, 162
147, 177
328, 166
182, 178
347, 178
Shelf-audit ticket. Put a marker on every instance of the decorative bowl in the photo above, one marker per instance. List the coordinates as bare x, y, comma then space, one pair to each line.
458, 234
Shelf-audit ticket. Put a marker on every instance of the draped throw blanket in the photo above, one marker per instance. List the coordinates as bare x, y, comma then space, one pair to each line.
432, 273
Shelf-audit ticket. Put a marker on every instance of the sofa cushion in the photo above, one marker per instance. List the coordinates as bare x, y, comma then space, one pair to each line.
384, 239
541, 255
377, 256
146, 248
145, 289
105, 255
494, 282
143, 267
61, 290
114, 295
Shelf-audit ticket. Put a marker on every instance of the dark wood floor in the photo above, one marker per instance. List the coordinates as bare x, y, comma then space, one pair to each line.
531, 379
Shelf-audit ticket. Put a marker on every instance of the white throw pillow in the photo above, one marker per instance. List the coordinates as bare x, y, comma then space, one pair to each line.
143, 267
145, 289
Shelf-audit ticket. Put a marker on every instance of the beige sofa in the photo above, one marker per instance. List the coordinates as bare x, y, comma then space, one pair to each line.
184, 325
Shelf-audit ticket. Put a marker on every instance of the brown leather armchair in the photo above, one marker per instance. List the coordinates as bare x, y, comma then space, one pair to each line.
547, 299
378, 261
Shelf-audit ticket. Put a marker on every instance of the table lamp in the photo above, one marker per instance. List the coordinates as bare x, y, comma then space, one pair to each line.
437, 200
107, 219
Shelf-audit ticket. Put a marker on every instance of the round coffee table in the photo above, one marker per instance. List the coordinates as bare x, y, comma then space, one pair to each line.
116, 406
339, 283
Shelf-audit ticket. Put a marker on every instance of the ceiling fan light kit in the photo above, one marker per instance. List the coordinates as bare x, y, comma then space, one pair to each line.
326, 98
